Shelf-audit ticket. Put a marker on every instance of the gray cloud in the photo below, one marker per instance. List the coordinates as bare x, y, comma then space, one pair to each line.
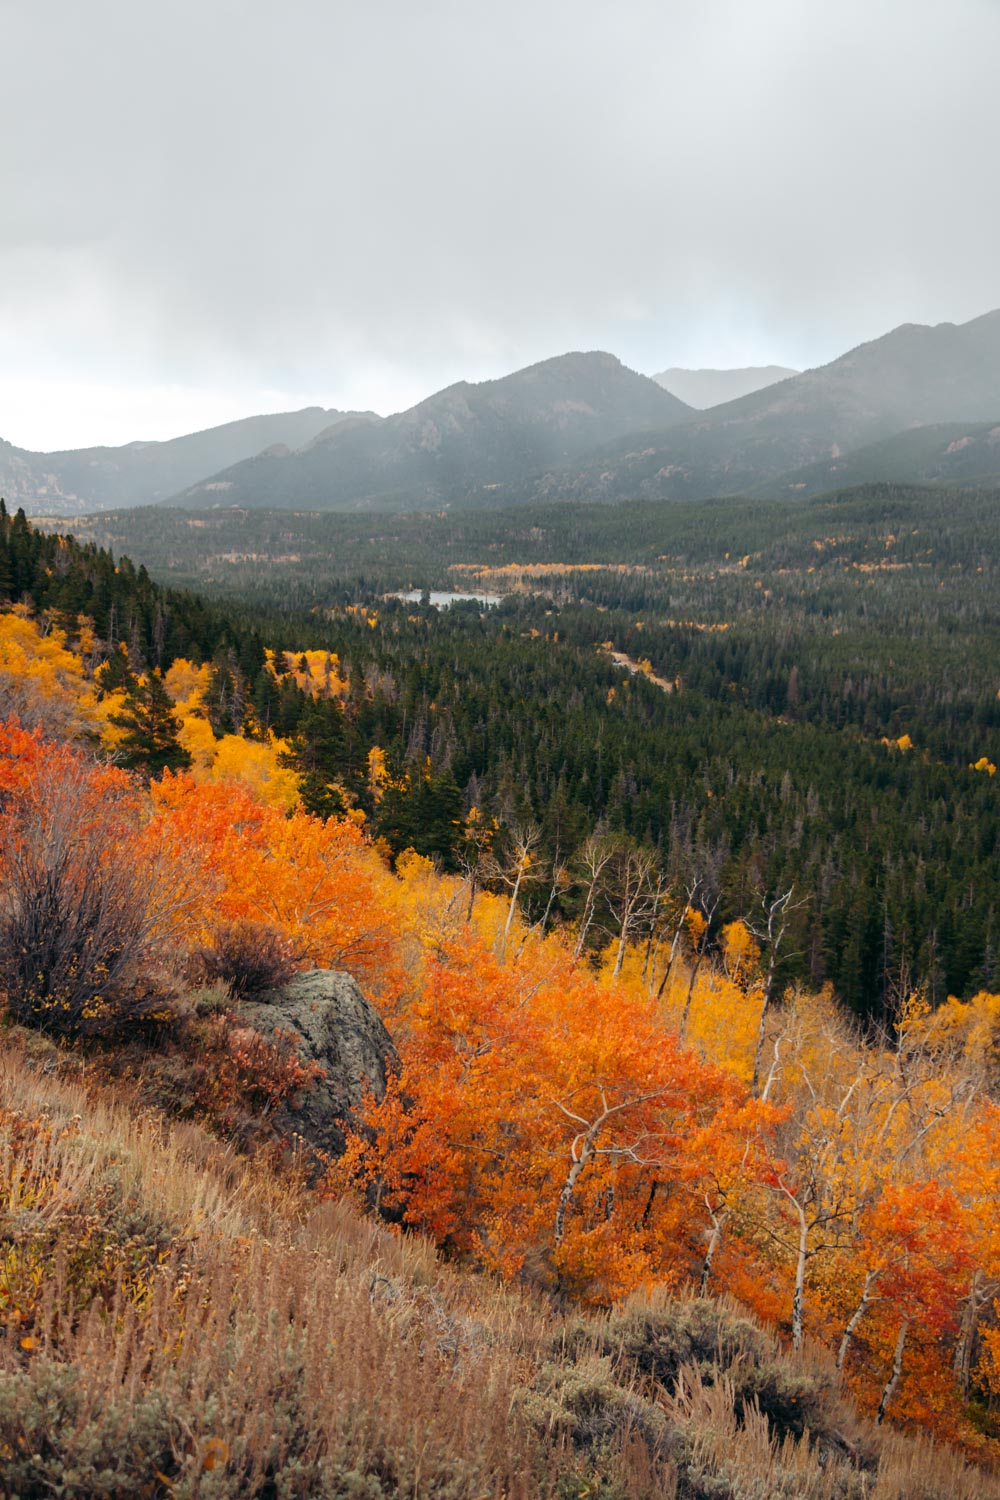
358, 202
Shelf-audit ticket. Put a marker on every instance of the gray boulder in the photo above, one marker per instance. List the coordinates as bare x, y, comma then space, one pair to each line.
336, 1027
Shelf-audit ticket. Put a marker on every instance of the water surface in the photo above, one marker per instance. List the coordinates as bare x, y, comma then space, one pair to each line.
442, 598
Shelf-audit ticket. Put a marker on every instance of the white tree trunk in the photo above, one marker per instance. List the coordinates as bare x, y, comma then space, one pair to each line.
799, 1297
568, 1188
866, 1301
897, 1370
714, 1241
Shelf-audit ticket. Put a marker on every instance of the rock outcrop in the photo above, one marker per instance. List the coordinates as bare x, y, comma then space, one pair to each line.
336, 1027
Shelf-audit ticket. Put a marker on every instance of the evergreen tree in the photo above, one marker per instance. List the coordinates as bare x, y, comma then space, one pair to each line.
423, 813
151, 744
115, 674
327, 756
22, 551
5, 568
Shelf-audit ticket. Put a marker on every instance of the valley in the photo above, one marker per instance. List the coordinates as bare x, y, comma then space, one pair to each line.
804, 642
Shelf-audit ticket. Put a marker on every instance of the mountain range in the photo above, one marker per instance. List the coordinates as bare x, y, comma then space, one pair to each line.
468, 440
78, 480
919, 404
910, 378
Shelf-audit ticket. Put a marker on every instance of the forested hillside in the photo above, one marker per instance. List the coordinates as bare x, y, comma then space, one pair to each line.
609, 1092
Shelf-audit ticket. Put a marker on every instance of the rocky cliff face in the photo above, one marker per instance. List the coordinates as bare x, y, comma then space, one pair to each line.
337, 1028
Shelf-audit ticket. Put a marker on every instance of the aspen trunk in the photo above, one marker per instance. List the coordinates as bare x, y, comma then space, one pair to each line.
714, 1241
652, 968
620, 955
866, 1301
799, 1297
649, 954
765, 1006
897, 1370
670, 961
649, 961
690, 991
568, 1188
548, 909
510, 911
962, 1362
585, 921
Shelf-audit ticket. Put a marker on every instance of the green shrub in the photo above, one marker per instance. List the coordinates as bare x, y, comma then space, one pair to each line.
587, 1405
54, 1441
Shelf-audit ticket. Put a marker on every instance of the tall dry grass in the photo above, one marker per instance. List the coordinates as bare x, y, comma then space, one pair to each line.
178, 1320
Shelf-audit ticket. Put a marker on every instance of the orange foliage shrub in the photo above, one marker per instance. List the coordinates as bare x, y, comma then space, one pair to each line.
318, 884
541, 1121
250, 1071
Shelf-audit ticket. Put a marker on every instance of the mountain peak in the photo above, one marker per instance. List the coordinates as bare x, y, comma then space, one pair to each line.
466, 444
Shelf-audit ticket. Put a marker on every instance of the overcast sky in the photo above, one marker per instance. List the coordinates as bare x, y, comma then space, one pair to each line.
214, 207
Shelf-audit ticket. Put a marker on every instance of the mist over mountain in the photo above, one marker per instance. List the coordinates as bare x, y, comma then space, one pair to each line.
467, 442
919, 404
914, 376
78, 480
705, 388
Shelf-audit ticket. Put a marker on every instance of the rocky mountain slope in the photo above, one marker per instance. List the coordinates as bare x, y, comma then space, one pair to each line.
918, 404
468, 442
948, 453
914, 376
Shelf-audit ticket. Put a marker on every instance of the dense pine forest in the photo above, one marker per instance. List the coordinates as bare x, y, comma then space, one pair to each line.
815, 708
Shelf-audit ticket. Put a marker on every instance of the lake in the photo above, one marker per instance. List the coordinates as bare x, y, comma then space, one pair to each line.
443, 598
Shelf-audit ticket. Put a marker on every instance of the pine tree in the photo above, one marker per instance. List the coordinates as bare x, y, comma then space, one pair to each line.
151, 743
5, 568
116, 674
21, 554
325, 758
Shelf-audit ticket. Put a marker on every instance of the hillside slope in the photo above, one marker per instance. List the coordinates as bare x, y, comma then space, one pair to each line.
266, 1342
78, 480
948, 453
465, 444
509, 1039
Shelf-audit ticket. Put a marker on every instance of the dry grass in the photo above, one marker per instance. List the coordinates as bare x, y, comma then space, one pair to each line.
179, 1320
